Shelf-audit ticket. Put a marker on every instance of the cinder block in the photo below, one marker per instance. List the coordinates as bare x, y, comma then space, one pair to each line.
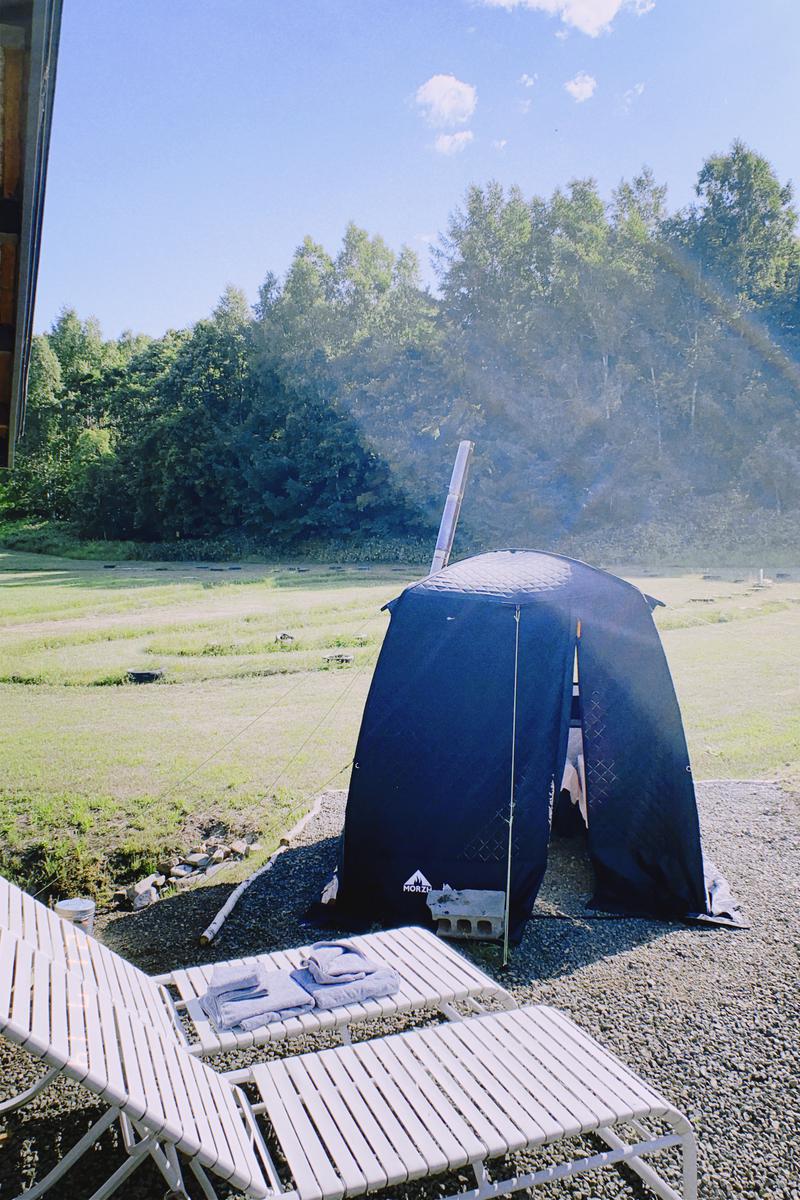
468, 914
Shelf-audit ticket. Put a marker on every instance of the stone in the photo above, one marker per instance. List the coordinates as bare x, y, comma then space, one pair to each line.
220, 854
198, 859
140, 887
181, 870
166, 866
240, 847
159, 880
145, 899
338, 656
284, 637
186, 880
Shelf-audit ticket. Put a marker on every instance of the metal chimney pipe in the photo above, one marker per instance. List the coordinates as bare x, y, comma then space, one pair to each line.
452, 507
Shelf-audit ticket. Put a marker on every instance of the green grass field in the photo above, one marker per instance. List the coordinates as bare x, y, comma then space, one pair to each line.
101, 776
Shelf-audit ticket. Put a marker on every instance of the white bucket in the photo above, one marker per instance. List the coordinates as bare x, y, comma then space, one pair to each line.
77, 912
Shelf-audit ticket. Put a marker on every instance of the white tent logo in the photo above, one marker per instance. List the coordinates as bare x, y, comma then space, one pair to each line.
417, 883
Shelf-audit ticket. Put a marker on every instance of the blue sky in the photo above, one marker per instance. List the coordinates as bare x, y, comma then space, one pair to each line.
195, 142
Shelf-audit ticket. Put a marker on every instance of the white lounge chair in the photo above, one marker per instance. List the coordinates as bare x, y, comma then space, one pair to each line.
345, 1121
432, 975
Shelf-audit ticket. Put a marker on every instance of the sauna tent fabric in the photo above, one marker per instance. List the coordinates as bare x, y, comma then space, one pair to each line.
430, 789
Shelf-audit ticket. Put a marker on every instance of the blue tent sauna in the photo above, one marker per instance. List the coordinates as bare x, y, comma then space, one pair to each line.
481, 648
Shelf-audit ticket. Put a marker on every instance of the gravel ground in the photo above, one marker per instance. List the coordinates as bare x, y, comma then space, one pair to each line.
710, 1016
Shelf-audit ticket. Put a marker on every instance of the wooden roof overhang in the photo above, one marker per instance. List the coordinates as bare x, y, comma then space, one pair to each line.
29, 33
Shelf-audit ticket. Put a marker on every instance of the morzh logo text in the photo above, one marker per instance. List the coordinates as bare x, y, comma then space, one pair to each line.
417, 883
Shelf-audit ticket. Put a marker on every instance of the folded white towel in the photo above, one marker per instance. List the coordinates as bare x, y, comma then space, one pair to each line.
234, 977
276, 997
383, 982
338, 962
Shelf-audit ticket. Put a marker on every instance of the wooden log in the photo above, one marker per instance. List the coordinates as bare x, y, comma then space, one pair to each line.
213, 929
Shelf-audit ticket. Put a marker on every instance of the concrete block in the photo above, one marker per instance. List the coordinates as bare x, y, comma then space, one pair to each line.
471, 913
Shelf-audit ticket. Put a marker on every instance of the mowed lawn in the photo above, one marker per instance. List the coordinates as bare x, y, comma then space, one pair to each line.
101, 776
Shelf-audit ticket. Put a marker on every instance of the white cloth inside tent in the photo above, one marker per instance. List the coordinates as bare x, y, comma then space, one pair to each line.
574, 778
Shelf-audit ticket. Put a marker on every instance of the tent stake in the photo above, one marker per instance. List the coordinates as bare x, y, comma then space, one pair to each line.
513, 785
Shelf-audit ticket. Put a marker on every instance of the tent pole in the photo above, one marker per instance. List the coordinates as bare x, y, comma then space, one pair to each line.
452, 507
513, 786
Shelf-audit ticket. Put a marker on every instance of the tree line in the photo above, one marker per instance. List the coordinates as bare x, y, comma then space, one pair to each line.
621, 367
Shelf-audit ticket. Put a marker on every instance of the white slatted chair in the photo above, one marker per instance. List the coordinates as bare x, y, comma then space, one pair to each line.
349, 1120
432, 976
165, 1099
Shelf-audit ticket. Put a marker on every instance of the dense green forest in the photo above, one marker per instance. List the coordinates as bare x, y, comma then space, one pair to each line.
630, 376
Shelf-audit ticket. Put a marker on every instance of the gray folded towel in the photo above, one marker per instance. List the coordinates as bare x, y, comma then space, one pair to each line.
276, 997
233, 977
381, 982
338, 962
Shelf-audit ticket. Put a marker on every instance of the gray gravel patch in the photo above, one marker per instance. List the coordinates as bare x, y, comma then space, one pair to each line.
709, 1016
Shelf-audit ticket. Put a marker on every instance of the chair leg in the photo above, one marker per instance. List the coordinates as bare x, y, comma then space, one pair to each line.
689, 1166
165, 1158
488, 1189
71, 1157
643, 1169
203, 1180
15, 1102
135, 1156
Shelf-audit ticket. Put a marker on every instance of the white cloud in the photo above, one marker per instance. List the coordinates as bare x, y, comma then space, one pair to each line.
581, 87
524, 106
591, 17
446, 101
631, 95
527, 80
453, 143
500, 144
